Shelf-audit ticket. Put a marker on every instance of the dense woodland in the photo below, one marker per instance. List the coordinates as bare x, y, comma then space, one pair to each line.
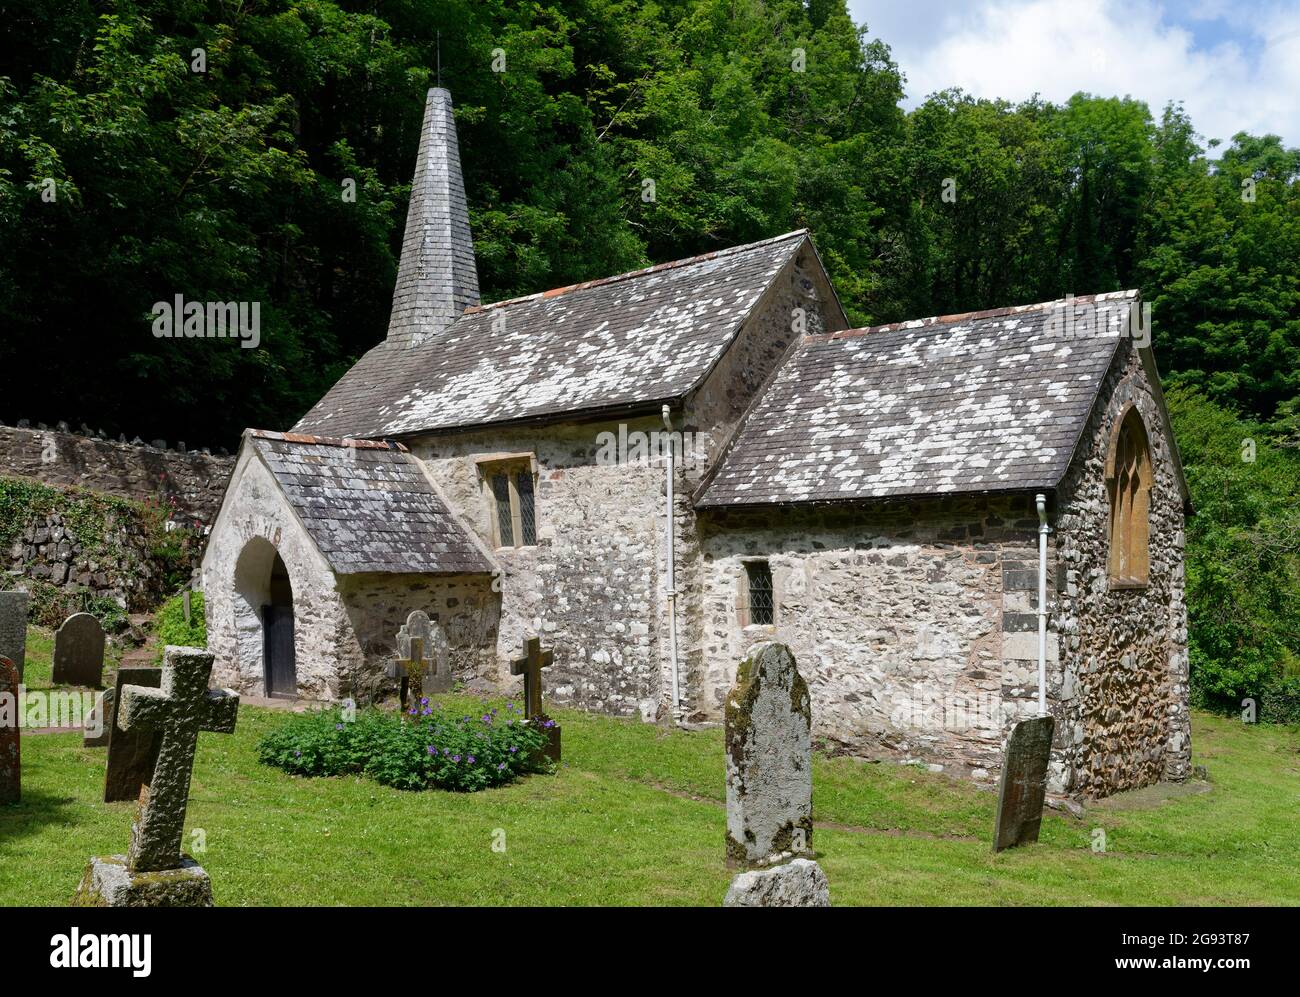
224, 180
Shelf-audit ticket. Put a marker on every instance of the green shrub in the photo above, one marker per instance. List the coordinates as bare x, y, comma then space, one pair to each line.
434, 747
1280, 702
1243, 557
170, 626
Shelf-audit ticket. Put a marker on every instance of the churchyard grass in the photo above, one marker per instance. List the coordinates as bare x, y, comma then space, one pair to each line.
635, 816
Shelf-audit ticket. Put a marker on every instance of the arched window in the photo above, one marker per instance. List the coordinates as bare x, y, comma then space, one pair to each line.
1128, 478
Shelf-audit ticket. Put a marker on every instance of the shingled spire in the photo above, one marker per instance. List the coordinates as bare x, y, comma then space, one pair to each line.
437, 278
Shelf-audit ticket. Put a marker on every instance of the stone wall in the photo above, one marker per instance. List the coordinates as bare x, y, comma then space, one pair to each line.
191, 482
255, 524
910, 621
591, 586
1126, 722
595, 586
74, 549
466, 607
345, 626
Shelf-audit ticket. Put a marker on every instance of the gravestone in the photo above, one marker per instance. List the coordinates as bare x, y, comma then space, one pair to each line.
131, 754
1023, 786
154, 872
768, 742
79, 652
99, 721
769, 759
530, 667
13, 628
11, 772
423, 661
797, 883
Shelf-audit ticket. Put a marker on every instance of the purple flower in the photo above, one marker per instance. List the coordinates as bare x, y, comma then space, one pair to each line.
338, 726
470, 759
487, 718
432, 750
455, 758
501, 766
514, 748
297, 754
549, 724
424, 701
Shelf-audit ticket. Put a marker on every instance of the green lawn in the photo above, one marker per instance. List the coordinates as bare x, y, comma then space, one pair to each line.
635, 817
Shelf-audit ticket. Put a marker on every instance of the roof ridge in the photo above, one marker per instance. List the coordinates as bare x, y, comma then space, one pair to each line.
643, 271
326, 441
937, 320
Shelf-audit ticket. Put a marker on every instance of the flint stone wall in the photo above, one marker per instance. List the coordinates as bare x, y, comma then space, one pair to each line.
1125, 723
194, 481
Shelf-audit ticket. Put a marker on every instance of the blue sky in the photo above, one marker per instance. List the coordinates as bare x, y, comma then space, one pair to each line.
1235, 66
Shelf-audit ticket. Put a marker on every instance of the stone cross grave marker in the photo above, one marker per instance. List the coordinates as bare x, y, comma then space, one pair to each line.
769, 759
1023, 785
181, 708
13, 628
530, 667
11, 772
79, 652
131, 754
433, 673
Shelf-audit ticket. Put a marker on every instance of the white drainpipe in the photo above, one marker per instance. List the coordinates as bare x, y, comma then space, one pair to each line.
672, 571
1043, 529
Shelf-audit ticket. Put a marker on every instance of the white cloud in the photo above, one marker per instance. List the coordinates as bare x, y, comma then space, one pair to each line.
1014, 48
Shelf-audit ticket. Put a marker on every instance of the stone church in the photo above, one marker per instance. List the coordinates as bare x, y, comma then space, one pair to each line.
653, 470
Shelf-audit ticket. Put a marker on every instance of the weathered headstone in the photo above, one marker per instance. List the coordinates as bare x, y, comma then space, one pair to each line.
429, 672
99, 721
769, 784
131, 754
769, 759
155, 872
1023, 786
13, 628
797, 883
530, 667
11, 771
79, 652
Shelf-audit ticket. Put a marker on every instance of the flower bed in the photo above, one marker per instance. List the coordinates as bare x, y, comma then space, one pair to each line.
431, 747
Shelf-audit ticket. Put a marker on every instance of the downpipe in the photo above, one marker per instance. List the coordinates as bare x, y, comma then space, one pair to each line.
672, 569
1040, 501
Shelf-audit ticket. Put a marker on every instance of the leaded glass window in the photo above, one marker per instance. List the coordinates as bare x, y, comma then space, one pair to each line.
762, 605
511, 493
527, 520
505, 520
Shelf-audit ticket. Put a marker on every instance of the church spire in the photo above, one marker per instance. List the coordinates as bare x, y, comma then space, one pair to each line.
437, 278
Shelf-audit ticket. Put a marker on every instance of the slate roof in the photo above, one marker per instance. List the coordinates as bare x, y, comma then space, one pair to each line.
986, 401
368, 506
437, 277
638, 338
